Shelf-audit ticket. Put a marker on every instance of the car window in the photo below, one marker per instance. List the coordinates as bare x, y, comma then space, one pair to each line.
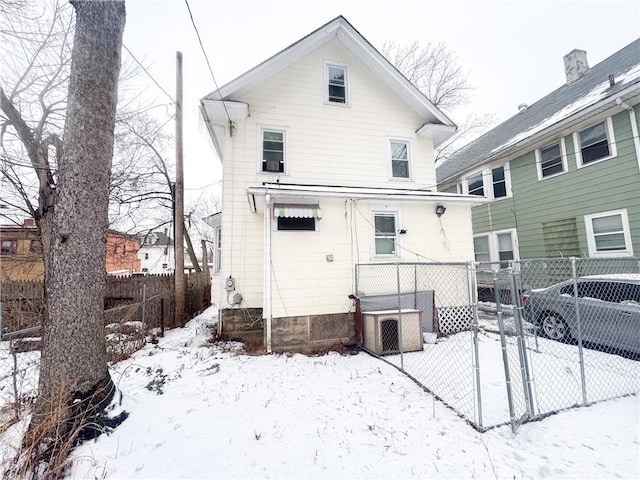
597, 290
628, 293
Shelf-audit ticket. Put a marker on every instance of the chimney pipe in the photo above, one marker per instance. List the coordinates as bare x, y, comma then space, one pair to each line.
575, 65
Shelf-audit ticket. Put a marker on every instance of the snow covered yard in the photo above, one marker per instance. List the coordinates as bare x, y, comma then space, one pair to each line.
209, 411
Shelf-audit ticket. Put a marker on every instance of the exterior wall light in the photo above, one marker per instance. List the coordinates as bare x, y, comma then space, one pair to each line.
440, 209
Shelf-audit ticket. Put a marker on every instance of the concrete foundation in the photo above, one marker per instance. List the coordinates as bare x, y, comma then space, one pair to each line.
289, 333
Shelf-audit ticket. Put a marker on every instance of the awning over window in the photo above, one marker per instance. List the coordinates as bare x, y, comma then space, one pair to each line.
297, 211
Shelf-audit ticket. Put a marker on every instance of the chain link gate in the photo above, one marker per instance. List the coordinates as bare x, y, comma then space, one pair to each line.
514, 349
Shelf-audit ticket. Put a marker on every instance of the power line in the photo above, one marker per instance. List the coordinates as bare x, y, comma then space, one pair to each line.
147, 72
206, 58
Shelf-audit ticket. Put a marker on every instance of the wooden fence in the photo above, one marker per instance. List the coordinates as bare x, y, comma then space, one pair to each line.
149, 299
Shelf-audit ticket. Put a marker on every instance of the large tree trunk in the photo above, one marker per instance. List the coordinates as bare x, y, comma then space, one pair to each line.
73, 371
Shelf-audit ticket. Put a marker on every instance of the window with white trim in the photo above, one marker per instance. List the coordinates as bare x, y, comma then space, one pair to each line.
400, 159
481, 248
551, 160
385, 236
475, 185
496, 248
595, 143
273, 150
336, 84
608, 234
492, 183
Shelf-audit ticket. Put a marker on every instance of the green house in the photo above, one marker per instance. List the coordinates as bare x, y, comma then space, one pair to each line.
563, 174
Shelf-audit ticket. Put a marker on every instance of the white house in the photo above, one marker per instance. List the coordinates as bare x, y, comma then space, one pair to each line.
156, 253
327, 154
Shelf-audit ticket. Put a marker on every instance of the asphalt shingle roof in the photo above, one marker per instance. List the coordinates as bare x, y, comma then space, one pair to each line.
544, 112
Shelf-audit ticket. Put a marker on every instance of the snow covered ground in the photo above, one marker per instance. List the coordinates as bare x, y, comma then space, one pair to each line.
199, 410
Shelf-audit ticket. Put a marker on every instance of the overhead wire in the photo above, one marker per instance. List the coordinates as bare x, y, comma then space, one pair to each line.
206, 57
148, 74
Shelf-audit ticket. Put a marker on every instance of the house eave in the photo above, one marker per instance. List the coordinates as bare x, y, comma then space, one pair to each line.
341, 29
438, 132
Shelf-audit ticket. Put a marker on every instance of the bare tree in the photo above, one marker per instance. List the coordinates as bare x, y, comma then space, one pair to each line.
435, 71
74, 379
33, 89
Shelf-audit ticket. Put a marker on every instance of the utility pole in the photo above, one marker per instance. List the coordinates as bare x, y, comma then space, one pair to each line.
178, 215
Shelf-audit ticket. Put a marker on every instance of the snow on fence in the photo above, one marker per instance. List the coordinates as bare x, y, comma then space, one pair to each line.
495, 365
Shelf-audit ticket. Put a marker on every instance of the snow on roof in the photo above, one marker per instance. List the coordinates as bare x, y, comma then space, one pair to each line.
568, 103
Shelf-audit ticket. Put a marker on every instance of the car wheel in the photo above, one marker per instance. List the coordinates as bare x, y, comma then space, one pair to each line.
554, 327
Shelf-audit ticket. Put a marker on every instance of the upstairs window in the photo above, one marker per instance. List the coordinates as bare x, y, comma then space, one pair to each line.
400, 159
595, 143
35, 246
336, 84
551, 160
9, 247
491, 183
385, 233
273, 151
499, 182
476, 185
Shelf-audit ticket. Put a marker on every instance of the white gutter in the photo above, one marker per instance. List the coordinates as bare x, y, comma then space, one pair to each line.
634, 127
268, 314
280, 191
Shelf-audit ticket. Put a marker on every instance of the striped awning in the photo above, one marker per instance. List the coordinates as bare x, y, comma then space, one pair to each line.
297, 211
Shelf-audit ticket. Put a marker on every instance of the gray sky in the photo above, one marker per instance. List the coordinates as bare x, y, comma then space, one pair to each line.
512, 50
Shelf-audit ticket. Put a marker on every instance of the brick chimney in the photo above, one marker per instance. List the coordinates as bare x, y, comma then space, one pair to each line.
575, 65
28, 222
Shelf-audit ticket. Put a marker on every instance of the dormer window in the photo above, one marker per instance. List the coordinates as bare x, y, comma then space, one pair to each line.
336, 84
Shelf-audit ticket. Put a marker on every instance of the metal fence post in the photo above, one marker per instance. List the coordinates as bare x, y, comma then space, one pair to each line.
522, 347
505, 355
473, 301
399, 318
583, 380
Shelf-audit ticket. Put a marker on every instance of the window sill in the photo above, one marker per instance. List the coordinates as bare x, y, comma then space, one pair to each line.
595, 162
540, 179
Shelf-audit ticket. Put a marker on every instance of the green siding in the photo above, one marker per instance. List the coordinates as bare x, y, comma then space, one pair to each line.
612, 184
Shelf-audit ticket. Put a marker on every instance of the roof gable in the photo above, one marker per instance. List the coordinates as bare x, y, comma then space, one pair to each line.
566, 105
341, 29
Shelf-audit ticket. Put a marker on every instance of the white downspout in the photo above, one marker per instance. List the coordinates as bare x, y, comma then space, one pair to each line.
267, 270
634, 127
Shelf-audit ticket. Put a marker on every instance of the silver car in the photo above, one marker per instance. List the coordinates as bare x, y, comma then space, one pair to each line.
606, 311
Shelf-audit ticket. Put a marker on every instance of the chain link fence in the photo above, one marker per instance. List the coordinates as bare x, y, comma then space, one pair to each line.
505, 345
420, 317
582, 319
